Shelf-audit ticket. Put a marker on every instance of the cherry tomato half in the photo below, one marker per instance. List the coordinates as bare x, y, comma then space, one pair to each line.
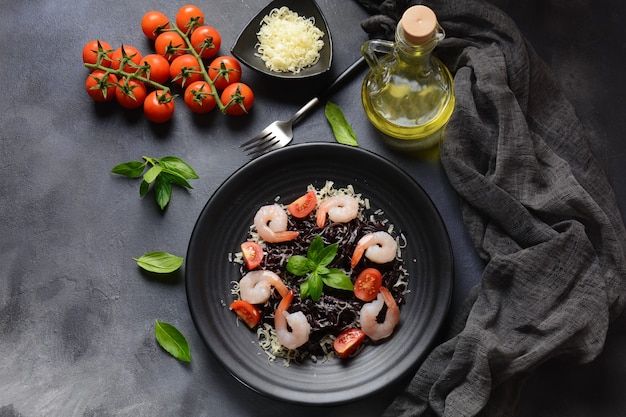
158, 68
100, 88
348, 342
153, 23
224, 70
248, 313
252, 254
303, 206
170, 45
237, 98
198, 97
131, 93
185, 70
127, 58
92, 49
367, 284
206, 40
159, 106
189, 17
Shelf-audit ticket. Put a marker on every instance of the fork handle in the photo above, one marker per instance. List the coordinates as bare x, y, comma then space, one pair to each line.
329, 90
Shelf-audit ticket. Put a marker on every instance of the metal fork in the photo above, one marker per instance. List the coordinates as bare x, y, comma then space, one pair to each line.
279, 133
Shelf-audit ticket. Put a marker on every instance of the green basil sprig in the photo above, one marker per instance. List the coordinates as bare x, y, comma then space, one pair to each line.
341, 128
173, 341
161, 173
159, 262
315, 266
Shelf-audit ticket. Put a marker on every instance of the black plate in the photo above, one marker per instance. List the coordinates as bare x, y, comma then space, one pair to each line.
244, 47
224, 224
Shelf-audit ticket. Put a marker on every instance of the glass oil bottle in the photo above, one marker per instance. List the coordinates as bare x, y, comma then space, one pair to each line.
408, 94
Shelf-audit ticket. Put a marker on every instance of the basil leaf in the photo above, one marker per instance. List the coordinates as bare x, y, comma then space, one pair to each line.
316, 246
163, 191
178, 166
173, 341
336, 278
327, 254
152, 174
159, 262
143, 188
316, 286
298, 265
304, 290
132, 169
175, 178
341, 128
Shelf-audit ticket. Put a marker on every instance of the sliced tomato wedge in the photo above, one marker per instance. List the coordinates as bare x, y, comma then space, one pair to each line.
303, 206
367, 284
248, 313
252, 254
348, 341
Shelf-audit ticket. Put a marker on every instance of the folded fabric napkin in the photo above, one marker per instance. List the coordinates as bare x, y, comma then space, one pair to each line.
538, 207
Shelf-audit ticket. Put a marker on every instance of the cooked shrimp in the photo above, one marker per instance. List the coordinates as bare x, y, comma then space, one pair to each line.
300, 327
370, 311
271, 223
340, 209
379, 247
256, 286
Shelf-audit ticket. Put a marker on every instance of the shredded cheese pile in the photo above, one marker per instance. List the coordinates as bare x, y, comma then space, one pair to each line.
288, 42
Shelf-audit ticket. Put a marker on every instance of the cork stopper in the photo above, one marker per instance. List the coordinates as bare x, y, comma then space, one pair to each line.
418, 23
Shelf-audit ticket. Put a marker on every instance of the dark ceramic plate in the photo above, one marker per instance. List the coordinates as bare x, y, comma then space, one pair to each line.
244, 47
224, 224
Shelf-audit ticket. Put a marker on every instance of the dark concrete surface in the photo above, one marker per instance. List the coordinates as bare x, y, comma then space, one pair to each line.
77, 316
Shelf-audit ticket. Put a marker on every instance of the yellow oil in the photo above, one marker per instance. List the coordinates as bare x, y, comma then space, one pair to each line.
410, 108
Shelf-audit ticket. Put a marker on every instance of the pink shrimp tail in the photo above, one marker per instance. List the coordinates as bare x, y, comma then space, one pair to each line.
359, 250
321, 216
285, 236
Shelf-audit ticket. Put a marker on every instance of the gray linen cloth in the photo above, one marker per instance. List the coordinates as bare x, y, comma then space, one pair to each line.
538, 207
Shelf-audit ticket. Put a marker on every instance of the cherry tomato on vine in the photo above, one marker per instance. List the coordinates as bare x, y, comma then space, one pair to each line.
185, 70
159, 68
130, 93
248, 313
224, 70
127, 58
189, 17
348, 341
198, 97
159, 106
100, 88
238, 99
304, 205
95, 47
206, 40
367, 284
153, 23
170, 45
252, 254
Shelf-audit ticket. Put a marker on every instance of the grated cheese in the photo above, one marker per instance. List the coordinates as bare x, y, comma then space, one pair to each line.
288, 42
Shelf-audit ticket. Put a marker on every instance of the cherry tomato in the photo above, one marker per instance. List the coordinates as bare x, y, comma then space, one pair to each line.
127, 58
348, 341
367, 284
95, 47
185, 70
248, 313
159, 106
304, 205
224, 70
206, 41
189, 17
198, 97
100, 88
170, 45
153, 23
130, 93
238, 99
158, 68
252, 254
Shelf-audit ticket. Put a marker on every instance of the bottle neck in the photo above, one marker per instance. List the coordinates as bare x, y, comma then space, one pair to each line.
417, 54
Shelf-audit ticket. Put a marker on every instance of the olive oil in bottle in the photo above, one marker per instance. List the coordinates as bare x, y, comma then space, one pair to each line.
408, 94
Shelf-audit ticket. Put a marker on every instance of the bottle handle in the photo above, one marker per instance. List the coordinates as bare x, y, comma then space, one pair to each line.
371, 48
